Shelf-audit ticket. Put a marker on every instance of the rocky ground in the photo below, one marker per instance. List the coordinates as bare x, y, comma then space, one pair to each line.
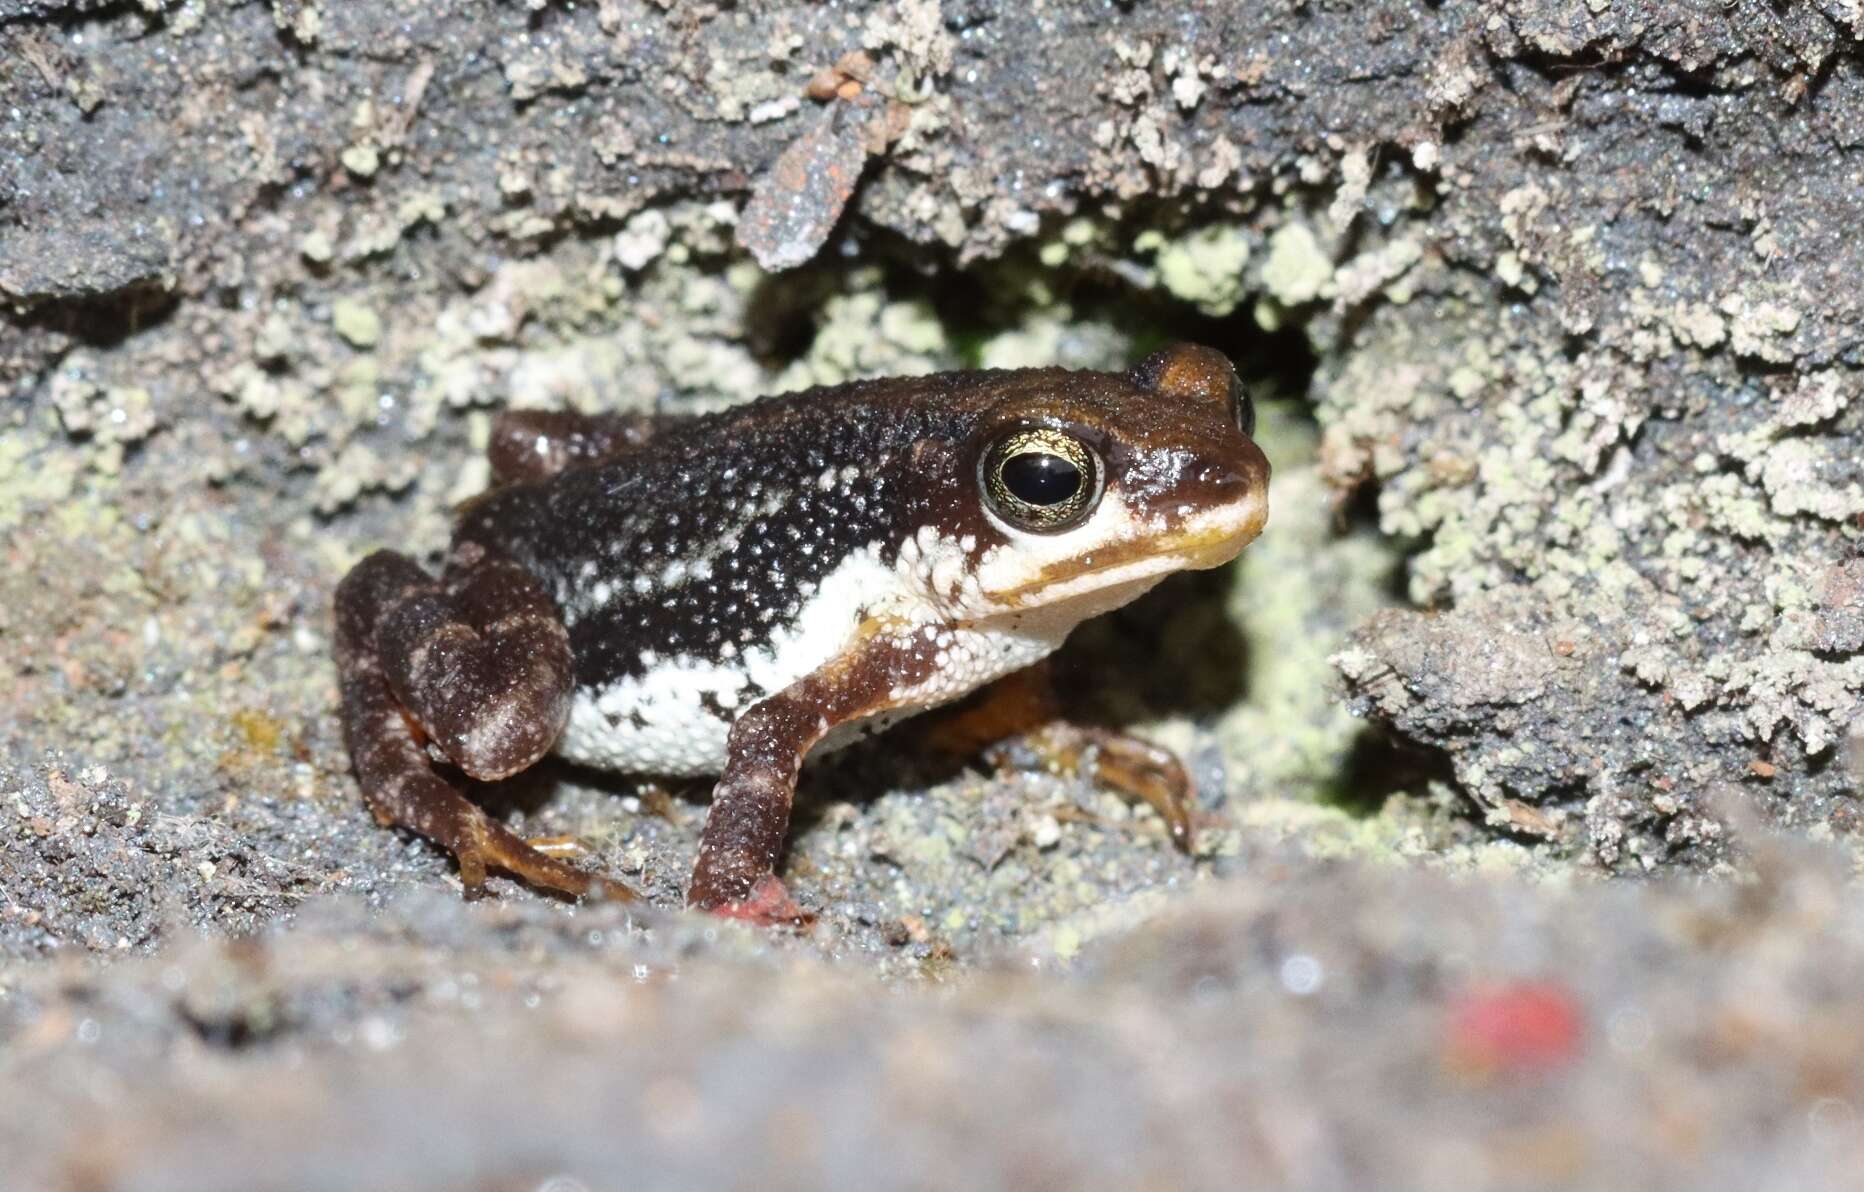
1523, 735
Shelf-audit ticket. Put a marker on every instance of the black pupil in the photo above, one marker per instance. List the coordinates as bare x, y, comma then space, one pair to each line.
1245, 413
1038, 478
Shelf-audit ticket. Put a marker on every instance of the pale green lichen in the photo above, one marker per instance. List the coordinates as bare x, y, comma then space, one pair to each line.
643, 238
356, 321
34, 477
1758, 324
864, 333
1298, 270
1378, 271
361, 160
1794, 472
1697, 323
317, 246
303, 19
1206, 267
1056, 335
1298, 589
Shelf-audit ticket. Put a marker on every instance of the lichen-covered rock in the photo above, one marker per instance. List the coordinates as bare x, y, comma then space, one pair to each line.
1607, 408
1572, 287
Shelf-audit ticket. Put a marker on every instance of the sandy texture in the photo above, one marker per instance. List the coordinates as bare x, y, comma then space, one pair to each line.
1299, 1026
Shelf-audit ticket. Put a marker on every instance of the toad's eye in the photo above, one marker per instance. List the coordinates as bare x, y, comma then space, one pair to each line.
1042, 480
1243, 409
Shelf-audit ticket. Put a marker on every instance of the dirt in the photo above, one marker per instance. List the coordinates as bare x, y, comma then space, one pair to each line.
1297, 1025
1552, 311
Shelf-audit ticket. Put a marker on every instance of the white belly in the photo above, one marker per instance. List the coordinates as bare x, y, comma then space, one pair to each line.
657, 724
666, 722
675, 717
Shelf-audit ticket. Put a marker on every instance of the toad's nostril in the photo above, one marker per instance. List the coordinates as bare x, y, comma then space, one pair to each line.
1220, 479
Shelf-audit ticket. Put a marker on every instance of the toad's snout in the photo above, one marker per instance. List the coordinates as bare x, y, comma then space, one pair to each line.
1228, 477
1230, 492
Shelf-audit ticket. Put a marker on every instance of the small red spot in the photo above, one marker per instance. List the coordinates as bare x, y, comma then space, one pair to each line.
769, 905
1519, 1028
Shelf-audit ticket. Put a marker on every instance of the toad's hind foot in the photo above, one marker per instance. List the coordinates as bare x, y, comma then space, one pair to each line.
1017, 724
487, 615
402, 789
489, 845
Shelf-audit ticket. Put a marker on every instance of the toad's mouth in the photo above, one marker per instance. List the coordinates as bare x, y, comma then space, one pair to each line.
1209, 539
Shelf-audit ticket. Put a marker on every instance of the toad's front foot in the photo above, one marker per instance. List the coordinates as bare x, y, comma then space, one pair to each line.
1017, 724
1133, 767
768, 905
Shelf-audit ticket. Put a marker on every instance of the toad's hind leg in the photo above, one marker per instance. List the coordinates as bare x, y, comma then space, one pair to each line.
480, 665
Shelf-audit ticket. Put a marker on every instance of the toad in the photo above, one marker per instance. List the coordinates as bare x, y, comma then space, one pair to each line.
730, 593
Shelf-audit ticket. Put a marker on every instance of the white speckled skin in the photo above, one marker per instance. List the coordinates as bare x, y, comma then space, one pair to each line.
658, 722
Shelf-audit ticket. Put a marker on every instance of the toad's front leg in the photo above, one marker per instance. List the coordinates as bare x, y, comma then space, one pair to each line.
735, 874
